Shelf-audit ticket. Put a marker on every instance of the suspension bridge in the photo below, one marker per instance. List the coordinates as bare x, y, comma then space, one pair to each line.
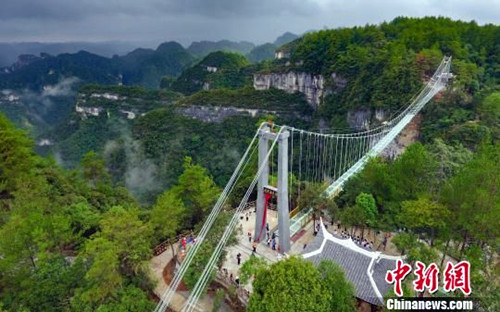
286, 154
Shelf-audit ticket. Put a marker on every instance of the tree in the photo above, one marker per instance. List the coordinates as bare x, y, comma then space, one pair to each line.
201, 258
484, 277
290, 285
103, 279
130, 236
353, 216
489, 111
473, 196
252, 267
415, 172
366, 203
94, 170
15, 156
310, 197
197, 191
52, 285
404, 241
449, 158
166, 215
424, 214
129, 298
343, 293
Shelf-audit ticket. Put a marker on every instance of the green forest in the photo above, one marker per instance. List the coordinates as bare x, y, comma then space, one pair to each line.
79, 219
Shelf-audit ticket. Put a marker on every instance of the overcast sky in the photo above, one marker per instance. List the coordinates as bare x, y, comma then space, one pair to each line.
257, 21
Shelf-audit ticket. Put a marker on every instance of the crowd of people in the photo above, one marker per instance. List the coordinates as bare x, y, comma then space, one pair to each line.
363, 242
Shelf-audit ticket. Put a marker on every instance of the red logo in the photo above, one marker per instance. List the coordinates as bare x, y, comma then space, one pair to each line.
454, 277
457, 277
397, 276
426, 278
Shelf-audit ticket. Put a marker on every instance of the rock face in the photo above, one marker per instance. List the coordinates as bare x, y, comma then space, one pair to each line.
364, 119
408, 136
94, 104
361, 119
313, 86
218, 113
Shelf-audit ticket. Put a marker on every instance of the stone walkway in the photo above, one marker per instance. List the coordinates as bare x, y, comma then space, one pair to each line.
244, 246
158, 263
156, 266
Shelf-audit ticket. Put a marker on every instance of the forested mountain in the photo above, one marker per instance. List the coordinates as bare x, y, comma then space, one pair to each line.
42, 88
140, 67
216, 70
266, 51
38, 92
285, 38
203, 48
381, 73
262, 52
144, 164
10, 51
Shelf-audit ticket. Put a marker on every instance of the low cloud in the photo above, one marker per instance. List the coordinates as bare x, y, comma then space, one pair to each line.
140, 172
63, 88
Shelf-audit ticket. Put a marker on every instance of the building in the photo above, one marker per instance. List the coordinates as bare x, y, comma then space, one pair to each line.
364, 268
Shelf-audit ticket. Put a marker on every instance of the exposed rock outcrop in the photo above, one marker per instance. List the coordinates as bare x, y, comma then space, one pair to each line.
408, 136
361, 119
219, 113
93, 104
313, 86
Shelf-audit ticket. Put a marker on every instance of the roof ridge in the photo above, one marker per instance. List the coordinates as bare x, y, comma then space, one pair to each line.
348, 243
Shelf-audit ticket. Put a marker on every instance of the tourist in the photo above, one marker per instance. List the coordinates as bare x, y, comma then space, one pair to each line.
249, 237
254, 247
231, 277
247, 217
273, 236
238, 257
237, 280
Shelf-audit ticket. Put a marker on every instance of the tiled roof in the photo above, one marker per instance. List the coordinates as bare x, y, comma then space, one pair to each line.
365, 269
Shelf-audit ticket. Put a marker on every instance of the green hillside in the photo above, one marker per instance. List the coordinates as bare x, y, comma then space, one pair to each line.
216, 70
127, 168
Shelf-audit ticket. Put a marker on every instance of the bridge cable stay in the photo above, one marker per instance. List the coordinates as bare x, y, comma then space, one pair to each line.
170, 291
204, 278
321, 156
181, 271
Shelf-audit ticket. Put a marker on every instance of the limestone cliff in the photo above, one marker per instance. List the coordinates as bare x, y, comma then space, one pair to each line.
313, 86
218, 113
364, 119
408, 136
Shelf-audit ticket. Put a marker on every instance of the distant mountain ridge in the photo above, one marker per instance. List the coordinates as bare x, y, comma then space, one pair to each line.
45, 84
203, 48
266, 51
143, 67
9, 51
